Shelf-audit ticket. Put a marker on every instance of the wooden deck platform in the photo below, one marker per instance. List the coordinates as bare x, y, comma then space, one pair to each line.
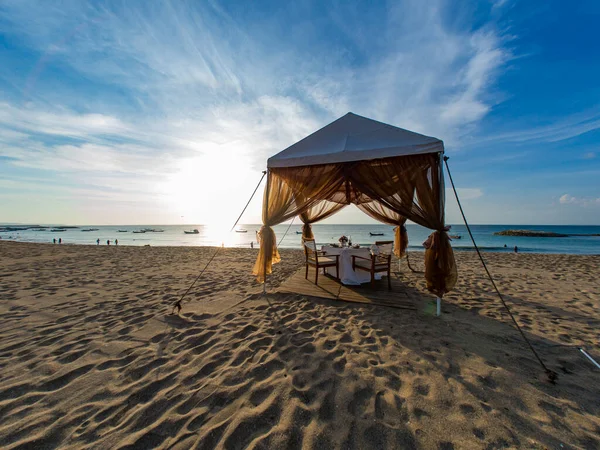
330, 288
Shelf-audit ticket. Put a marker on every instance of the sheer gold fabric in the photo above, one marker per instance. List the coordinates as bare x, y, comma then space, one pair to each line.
383, 214
390, 189
291, 192
440, 268
316, 213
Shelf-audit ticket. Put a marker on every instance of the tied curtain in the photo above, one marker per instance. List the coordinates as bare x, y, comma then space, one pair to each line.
316, 213
413, 187
291, 192
391, 190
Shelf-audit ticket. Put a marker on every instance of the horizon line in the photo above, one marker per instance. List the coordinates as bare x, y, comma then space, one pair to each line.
23, 224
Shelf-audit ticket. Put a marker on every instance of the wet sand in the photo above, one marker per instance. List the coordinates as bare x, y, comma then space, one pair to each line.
90, 356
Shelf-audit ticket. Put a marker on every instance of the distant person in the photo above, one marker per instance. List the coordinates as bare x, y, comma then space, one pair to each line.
116, 242
516, 249
108, 242
60, 240
251, 244
504, 245
98, 241
54, 241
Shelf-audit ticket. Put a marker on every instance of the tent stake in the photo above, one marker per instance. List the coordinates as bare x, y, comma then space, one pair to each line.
589, 357
438, 310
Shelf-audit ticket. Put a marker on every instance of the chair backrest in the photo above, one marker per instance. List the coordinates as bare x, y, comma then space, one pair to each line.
310, 248
385, 247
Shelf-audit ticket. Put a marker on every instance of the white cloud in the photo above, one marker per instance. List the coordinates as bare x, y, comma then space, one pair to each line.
560, 130
567, 199
464, 193
499, 4
19, 122
487, 57
589, 155
201, 87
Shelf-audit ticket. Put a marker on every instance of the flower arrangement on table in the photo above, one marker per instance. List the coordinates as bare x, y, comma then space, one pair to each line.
343, 240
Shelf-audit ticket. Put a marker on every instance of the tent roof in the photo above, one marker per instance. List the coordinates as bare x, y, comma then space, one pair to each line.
354, 138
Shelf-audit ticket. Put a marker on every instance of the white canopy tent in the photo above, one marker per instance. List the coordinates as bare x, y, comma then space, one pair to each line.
390, 173
354, 138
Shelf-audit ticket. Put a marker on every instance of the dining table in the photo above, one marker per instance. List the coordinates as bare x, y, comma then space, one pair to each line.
347, 275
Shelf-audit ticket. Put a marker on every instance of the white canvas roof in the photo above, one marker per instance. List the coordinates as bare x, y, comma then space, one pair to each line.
354, 138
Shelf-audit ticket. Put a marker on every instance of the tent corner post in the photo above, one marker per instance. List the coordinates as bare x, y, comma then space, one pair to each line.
438, 310
266, 221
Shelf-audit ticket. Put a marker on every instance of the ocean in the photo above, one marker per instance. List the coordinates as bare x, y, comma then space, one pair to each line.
173, 235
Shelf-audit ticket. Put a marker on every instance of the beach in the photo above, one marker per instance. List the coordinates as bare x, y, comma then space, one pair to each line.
91, 356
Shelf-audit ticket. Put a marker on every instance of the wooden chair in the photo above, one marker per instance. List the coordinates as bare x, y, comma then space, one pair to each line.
376, 263
318, 260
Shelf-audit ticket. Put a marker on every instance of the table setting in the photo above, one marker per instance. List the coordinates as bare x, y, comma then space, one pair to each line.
347, 275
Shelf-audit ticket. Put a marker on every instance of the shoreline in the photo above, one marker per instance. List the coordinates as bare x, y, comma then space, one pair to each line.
415, 249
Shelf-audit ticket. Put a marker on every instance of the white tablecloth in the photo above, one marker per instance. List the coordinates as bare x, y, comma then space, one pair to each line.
347, 275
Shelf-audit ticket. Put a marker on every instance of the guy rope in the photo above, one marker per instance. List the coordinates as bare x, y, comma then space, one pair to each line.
552, 376
178, 304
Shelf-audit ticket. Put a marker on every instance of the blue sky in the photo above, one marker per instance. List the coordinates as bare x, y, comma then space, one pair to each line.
165, 112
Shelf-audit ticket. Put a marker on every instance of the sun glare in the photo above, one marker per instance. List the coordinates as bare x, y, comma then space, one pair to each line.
210, 189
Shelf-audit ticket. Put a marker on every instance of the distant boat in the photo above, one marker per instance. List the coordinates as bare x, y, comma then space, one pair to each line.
376, 234
141, 231
90, 229
122, 231
456, 236
241, 231
194, 231
56, 230
298, 232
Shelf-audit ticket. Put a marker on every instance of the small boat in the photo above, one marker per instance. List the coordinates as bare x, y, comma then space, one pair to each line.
56, 230
141, 231
298, 232
122, 231
90, 229
455, 236
241, 231
376, 234
194, 231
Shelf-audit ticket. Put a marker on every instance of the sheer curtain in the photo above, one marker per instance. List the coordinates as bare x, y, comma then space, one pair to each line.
413, 187
316, 213
280, 203
385, 215
391, 190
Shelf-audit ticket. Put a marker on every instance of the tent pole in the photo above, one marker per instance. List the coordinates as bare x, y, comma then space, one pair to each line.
266, 220
438, 310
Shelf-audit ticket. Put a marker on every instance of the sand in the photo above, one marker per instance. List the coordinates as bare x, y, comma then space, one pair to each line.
90, 356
